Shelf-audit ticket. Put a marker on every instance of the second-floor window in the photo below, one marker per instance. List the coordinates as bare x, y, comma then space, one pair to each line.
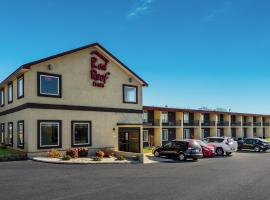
164, 117
145, 116
130, 94
49, 85
10, 92
2, 97
186, 117
20, 87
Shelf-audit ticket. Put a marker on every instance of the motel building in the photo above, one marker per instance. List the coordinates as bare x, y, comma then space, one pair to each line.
84, 97
163, 124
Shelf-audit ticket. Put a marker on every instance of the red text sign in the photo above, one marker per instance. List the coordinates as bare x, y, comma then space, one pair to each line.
99, 73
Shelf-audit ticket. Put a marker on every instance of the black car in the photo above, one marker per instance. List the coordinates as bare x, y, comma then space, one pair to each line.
181, 149
256, 144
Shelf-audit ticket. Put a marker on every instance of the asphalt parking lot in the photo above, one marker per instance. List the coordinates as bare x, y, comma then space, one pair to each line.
242, 176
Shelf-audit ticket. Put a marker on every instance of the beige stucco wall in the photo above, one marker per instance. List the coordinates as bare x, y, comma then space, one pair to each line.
104, 126
77, 86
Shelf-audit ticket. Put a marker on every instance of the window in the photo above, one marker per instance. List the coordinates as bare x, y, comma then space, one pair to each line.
81, 133
2, 97
2, 134
165, 134
49, 85
202, 118
145, 135
20, 134
10, 133
20, 87
186, 117
130, 94
145, 116
187, 134
164, 117
49, 134
10, 92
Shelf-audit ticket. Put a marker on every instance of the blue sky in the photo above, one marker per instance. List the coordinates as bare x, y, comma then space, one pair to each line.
213, 53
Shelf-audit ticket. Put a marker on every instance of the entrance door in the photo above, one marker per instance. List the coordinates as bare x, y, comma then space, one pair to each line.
129, 140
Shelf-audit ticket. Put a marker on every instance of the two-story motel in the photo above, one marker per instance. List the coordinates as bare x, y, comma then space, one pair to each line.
163, 124
82, 97
86, 97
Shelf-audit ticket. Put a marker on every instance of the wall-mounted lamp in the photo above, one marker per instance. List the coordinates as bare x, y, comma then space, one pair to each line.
50, 66
130, 80
113, 129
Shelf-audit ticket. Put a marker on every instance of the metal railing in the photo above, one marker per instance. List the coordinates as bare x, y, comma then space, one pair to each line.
235, 123
192, 123
208, 123
223, 123
154, 122
172, 123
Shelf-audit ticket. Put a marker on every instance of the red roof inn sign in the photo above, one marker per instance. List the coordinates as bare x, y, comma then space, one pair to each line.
99, 73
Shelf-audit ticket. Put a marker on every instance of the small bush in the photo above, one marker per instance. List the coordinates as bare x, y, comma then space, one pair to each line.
96, 158
67, 157
54, 153
108, 153
73, 153
120, 157
100, 154
83, 152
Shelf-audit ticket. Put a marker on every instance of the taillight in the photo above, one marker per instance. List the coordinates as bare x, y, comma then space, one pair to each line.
189, 145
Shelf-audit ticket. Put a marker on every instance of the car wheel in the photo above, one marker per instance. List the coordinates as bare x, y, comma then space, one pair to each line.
220, 152
228, 153
257, 149
195, 159
156, 154
182, 157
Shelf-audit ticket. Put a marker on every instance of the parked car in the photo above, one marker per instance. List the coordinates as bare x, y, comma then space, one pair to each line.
223, 145
181, 149
256, 144
208, 150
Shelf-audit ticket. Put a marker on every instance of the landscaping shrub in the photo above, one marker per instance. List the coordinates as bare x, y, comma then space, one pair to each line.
73, 153
96, 158
67, 157
120, 157
54, 153
108, 153
100, 154
83, 152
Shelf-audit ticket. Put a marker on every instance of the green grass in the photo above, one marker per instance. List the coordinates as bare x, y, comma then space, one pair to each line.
147, 150
8, 152
268, 139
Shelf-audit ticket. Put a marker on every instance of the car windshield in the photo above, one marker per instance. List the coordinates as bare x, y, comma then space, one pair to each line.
201, 143
194, 144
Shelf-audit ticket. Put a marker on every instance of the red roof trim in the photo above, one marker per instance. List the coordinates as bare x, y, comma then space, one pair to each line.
28, 65
165, 109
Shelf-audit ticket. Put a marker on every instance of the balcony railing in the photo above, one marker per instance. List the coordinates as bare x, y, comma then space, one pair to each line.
235, 123
208, 123
257, 123
192, 123
172, 123
155, 122
266, 123
247, 123
223, 123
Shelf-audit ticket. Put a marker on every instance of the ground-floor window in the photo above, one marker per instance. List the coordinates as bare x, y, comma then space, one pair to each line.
81, 133
165, 135
10, 133
145, 136
20, 134
49, 134
2, 133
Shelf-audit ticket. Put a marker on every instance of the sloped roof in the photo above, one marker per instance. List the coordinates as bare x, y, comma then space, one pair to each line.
27, 66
